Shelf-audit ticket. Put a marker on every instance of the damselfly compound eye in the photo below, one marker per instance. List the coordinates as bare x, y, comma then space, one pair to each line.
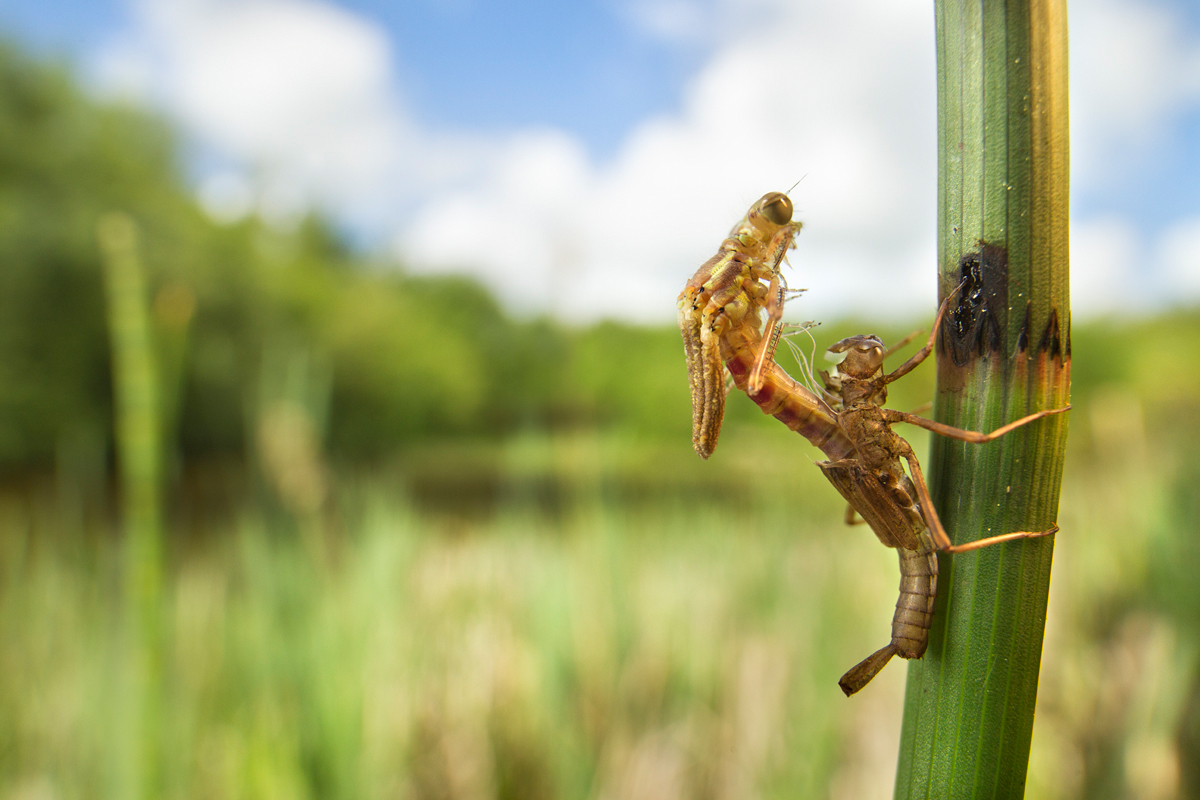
776, 207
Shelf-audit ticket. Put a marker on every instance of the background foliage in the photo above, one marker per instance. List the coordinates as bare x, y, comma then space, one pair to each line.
419, 547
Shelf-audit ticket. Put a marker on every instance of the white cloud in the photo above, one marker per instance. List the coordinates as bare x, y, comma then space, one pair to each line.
1134, 67
1104, 254
298, 93
1115, 269
521, 227
775, 103
1135, 71
672, 20
299, 96
1179, 260
226, 196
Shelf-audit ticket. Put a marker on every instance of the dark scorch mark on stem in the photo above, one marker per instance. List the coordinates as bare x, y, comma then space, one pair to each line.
974, 327
1055, 342
1052, 340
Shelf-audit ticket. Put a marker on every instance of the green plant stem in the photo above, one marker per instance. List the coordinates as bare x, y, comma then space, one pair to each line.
1004, 352
139, 449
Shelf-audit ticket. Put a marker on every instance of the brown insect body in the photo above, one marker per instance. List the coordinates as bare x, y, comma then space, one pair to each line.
719, 317
783, 397
897, 506
892, 513
875, 485
719, 312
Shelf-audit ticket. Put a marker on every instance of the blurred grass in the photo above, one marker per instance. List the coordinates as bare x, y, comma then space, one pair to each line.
575, 641
685, 652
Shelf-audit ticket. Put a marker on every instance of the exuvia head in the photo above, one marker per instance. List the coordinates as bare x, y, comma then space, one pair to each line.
864, 356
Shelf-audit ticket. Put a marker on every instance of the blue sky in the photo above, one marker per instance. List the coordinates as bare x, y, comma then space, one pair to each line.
583, 157
464, 64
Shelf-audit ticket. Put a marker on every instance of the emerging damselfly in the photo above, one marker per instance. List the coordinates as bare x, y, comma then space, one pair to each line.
719, 316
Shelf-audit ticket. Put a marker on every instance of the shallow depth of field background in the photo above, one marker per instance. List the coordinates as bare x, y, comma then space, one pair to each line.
417, 545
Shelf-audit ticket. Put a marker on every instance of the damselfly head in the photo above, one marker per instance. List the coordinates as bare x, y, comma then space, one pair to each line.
764, 219
776, 207
864, 356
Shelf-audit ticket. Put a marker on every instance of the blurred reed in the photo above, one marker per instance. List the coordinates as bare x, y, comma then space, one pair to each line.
139, 453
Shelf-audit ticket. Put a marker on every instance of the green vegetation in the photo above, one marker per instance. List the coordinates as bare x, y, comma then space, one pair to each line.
393, 358
414, 547
139, 453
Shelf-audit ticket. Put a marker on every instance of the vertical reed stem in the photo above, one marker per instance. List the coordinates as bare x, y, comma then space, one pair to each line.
1004, 352
139, 450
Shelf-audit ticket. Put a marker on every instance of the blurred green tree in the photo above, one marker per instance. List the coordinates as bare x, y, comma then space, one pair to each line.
403, 357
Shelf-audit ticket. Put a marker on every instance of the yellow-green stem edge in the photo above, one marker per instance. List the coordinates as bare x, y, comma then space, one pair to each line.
1003, 165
